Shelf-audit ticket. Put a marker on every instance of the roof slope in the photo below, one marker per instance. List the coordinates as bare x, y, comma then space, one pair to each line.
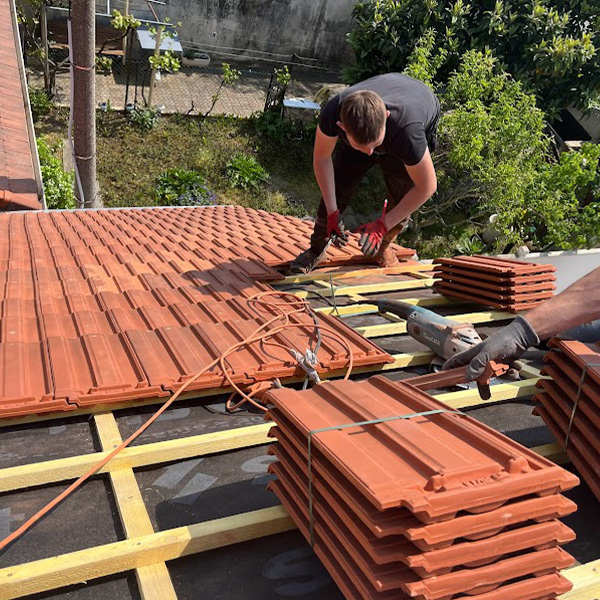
112, 305
18, 185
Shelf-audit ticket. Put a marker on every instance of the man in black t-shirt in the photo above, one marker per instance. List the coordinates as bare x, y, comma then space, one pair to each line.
391, 120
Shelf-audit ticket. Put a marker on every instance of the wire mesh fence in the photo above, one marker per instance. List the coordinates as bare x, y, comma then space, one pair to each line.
196, 90
191, 90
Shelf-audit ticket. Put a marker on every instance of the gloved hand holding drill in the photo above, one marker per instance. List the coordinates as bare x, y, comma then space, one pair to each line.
574, 306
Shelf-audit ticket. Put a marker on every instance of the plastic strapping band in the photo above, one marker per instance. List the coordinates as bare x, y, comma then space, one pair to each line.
80, 68
577, 398
357, 424
85, 157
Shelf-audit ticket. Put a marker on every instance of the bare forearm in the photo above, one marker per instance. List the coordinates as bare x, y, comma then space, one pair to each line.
325, 178
578, 304
413, 200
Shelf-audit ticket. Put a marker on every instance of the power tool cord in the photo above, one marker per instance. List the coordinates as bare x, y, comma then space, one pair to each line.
255, 337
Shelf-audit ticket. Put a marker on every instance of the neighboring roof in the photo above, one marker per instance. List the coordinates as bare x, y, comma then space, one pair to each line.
19, 186
112, 305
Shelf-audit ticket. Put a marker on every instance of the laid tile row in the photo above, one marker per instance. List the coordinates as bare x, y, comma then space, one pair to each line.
93, 310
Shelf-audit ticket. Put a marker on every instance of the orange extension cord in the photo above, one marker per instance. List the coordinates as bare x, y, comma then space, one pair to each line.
300, 306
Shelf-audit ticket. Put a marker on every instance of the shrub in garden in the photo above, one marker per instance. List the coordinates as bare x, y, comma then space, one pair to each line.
551, 46
145, 119
494, 158
181, 187
244, 171
58, 185
273, 127
40, 102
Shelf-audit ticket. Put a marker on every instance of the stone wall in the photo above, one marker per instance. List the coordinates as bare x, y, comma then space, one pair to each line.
309, 28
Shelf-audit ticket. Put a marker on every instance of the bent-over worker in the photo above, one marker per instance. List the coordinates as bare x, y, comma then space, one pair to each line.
390, 120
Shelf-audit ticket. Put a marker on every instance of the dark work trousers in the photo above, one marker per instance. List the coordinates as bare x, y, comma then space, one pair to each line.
349, 167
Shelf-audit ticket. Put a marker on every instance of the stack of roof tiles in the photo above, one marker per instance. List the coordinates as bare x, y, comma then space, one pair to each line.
434, 506
509, 285
569, 403
113, 305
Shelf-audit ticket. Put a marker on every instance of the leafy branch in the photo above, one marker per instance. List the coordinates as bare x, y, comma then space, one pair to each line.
230, 76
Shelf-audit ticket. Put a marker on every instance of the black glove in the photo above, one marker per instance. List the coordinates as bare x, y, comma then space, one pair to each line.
510, 342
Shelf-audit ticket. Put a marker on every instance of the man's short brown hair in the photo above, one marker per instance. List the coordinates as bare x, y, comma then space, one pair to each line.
363, 114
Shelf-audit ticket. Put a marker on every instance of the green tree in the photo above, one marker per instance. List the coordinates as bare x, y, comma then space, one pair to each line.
551, 46
494, 158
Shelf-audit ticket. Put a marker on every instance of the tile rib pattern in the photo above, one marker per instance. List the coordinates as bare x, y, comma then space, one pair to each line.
569, 403
432, 507
109, 305
273, 239
18, 188
509, 285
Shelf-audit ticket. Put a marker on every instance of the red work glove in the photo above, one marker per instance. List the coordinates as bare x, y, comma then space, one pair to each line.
335, 229
372, 236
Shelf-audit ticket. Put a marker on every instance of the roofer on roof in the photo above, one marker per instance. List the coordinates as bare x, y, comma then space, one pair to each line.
390, 120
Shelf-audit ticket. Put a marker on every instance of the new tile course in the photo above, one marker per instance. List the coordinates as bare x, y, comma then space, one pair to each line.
432, 506
110, 305
18, 187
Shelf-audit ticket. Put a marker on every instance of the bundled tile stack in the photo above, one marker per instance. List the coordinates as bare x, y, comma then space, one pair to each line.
509, 285
432, 506
569, 403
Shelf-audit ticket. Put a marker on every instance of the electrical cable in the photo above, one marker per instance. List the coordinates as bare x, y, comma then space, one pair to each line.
314, 292
254, 337
302, 307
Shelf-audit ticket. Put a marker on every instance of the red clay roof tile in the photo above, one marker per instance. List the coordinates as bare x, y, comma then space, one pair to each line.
18, 186
109, 325
495, 265
569, 404
432, 507
387, 583
401, 522
394, 550
504, 284
434, 465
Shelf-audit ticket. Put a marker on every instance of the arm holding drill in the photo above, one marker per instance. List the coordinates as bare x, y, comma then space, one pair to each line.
578, 304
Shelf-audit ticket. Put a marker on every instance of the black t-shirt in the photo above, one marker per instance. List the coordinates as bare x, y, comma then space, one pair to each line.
414, 114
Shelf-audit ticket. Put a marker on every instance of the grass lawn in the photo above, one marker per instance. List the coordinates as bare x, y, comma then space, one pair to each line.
130, 160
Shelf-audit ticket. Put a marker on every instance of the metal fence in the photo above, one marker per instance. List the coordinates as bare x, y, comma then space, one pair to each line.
190, 90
